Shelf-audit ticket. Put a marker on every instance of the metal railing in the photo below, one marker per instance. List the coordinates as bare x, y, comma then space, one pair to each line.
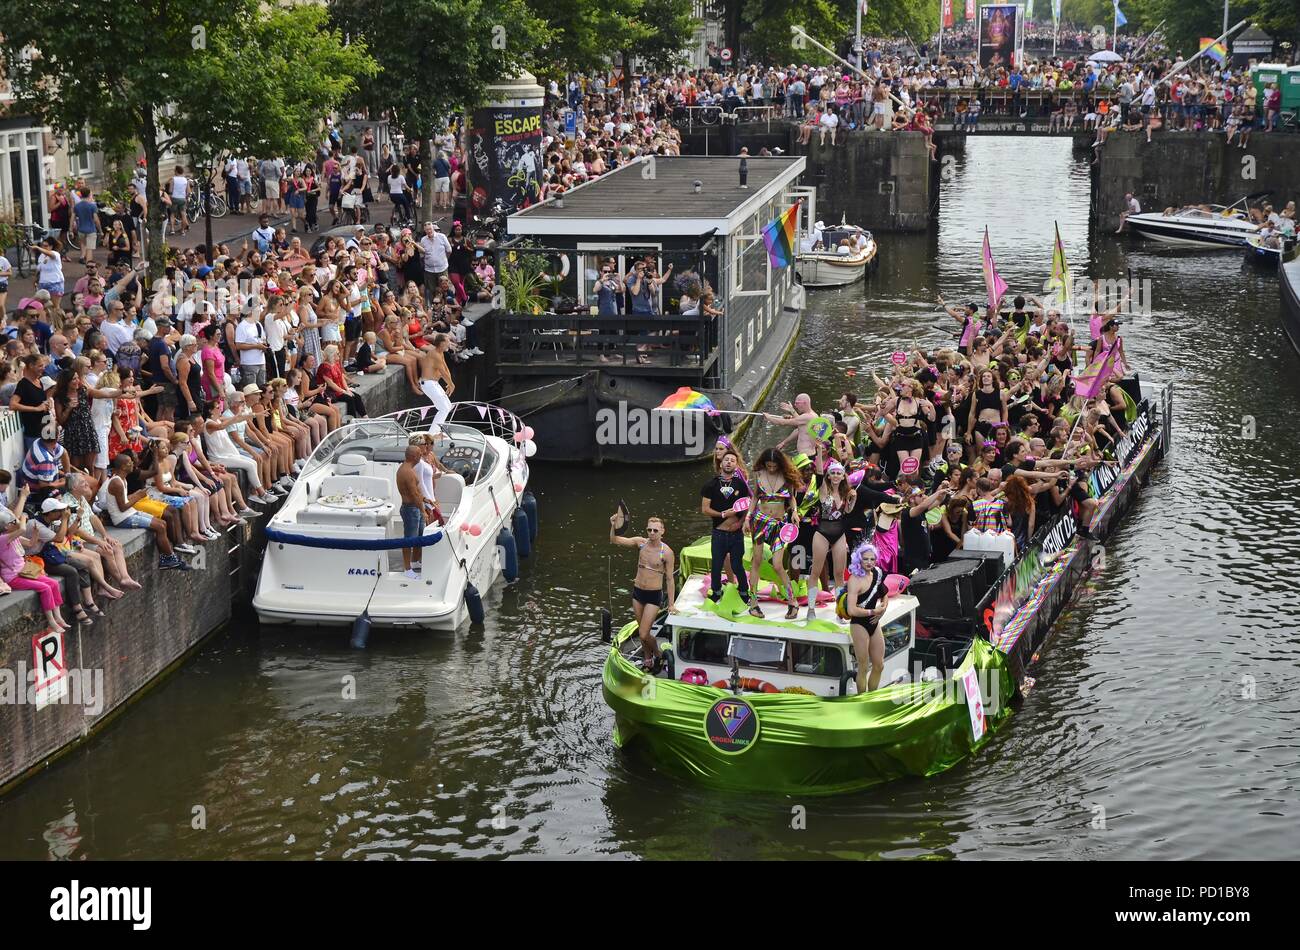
632, 344
712, 115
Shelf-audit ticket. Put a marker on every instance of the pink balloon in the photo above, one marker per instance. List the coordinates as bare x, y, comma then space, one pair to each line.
463, 528
519, 436
788, 532
897, 583
518, 488
528, 433
475, 530
855, 478
742, 504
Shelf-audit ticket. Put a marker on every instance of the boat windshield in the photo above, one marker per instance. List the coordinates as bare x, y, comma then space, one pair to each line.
460, 448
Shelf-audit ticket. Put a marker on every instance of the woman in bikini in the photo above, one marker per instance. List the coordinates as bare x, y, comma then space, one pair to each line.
776, 483
835, 499
909, 417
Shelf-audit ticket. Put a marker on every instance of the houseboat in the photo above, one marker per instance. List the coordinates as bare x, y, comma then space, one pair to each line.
590, 383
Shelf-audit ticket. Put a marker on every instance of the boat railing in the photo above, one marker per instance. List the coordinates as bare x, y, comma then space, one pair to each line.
642, 345
483, 417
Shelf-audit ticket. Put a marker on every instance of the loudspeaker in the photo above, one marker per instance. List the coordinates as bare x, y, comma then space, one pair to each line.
991, 564
948, 590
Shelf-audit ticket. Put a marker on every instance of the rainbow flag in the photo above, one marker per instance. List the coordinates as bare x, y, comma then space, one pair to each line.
778, 235
687, 398
1214, 49
997, 287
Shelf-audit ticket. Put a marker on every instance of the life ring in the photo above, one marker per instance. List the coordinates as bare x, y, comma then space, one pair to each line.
749, 684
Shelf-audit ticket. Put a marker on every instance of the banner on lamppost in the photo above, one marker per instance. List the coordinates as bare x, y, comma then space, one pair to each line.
946, 17
970, 9
999, 28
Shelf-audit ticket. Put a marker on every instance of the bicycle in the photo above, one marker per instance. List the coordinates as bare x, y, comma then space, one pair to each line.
26, 257
194, 203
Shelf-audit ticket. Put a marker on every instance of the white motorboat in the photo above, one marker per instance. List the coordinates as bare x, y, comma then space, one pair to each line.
1214, 226
836, 256
333, 549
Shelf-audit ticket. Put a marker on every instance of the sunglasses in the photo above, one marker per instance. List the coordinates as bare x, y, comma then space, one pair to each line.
651, 530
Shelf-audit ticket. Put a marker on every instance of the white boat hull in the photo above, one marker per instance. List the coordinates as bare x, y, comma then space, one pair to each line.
319, 585
1204, 232
830, 270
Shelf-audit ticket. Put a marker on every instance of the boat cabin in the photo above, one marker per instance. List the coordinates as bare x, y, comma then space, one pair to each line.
772, 656
690, 213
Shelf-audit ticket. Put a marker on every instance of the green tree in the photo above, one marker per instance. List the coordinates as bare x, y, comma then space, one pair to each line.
437, 57
176, 74
658, 35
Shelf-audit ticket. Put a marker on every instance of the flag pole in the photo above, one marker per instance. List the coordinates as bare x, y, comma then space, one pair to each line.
941, 3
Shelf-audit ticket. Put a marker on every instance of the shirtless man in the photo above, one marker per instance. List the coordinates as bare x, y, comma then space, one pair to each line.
414, 505
655, 568
799, 415
433, 367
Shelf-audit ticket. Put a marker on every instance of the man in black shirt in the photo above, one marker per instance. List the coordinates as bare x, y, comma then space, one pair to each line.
718, 500
914, 529
30, 400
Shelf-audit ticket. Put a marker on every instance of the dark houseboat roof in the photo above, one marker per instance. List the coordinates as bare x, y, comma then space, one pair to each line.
640, 198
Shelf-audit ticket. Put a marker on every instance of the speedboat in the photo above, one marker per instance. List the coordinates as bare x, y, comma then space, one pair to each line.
830, 262
1197, 225
333, 549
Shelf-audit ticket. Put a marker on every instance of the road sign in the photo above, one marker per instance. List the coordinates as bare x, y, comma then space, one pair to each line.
570, 126
725, 54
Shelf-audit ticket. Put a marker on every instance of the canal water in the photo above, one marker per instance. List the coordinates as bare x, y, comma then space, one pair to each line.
1164, 723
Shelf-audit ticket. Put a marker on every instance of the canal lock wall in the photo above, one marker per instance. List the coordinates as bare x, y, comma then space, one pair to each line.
885, 182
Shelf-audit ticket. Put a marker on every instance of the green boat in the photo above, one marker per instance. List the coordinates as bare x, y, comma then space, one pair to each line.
771, 706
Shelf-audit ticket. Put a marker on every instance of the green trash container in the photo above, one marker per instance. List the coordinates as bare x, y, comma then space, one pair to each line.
1262, 74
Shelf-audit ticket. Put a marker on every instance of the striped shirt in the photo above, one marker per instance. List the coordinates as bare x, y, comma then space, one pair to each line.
43, 463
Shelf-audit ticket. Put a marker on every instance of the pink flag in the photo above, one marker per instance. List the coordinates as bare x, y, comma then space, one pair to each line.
1092, 381
992, 279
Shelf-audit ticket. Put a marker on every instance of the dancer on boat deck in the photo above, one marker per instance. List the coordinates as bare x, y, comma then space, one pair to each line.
835, 499
776, 485
655, 569
718, 500
866, 601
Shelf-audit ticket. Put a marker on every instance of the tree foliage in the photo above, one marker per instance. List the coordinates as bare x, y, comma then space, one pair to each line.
177, 76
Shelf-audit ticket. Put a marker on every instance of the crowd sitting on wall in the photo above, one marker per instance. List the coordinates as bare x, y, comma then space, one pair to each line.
183, 407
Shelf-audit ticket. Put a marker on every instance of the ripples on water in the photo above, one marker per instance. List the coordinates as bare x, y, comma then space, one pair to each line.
496, 742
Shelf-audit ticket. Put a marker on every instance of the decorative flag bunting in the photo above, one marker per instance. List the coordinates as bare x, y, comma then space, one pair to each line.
1120, 18
1214, 49
997, 287
778, 235
687, 398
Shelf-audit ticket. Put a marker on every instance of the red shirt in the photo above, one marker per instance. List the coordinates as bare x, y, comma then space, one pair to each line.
333, 372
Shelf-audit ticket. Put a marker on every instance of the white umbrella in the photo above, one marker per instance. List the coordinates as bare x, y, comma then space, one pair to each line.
1105, 56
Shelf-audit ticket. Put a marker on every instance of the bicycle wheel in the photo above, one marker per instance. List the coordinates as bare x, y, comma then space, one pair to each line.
219, 207
74, 240
20, 257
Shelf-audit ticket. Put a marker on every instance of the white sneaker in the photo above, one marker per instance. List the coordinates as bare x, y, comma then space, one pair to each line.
285, 482
211, 535
185, 548
259, 500
298, 465
248, 514
413, 575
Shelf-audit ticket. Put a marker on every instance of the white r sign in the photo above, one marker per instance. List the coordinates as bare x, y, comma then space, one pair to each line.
49, 667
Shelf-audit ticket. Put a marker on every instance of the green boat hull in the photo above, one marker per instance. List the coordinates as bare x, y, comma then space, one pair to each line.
809, 745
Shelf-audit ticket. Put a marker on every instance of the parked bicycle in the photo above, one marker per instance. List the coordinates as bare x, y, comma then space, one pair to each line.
194, 202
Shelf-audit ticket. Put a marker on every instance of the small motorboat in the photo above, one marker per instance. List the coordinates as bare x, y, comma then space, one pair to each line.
1212, 226
1269, 251
333, 549
836, 256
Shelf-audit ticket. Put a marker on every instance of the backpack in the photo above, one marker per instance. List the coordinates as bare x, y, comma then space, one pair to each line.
128, 356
